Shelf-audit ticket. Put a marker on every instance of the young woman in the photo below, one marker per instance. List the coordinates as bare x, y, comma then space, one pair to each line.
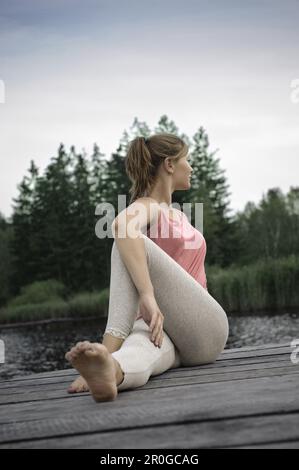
161, 314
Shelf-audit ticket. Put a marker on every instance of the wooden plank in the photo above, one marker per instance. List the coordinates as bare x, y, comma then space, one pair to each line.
284, 345
256, 431
274, 445
248, 397
258, 353
24, 378
62, 384
152, 407
257, 347
215, 367
242, 353
194, 377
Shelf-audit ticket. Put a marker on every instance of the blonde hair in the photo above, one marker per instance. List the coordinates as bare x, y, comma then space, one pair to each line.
144, 157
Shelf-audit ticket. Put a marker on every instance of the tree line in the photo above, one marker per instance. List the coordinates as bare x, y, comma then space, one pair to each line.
51, 233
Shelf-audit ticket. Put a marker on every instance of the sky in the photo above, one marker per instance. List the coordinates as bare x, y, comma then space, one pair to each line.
79, 72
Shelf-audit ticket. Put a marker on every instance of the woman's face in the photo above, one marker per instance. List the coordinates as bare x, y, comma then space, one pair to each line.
182, 173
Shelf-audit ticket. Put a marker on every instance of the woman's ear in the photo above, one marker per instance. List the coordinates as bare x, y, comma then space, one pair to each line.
168, 163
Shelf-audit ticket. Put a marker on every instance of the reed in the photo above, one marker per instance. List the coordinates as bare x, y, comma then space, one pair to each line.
268, 285
82, 305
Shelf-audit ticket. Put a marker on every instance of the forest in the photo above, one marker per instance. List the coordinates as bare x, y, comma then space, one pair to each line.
53, 264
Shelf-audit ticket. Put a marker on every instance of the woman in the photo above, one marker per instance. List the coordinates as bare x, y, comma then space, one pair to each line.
158, 276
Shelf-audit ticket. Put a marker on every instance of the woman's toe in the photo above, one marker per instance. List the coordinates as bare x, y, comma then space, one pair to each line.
68, 355
72, 387
90, 352
81, 346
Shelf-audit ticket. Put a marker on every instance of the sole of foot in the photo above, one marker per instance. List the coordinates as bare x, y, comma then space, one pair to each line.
95, 364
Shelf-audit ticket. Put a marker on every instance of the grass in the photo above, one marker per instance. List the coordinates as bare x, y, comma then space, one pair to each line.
81, 305
270, 285
267, 285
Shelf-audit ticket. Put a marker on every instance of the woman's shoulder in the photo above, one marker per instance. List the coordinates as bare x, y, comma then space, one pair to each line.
153, 209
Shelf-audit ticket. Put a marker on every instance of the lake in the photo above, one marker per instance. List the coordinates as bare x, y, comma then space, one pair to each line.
41, 347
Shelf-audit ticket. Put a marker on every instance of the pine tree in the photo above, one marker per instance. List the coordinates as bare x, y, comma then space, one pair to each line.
209, 186
23, 271
82, 224
269, 229
168, 126
49, 221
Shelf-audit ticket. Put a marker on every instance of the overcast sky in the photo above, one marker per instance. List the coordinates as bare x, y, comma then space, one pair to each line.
79, 72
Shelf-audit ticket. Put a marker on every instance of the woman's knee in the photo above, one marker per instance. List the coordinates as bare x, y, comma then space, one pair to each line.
204, 351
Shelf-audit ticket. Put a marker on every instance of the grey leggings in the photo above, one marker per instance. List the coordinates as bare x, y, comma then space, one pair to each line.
195, 325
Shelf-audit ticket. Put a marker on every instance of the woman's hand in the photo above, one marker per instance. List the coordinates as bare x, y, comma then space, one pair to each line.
152, 315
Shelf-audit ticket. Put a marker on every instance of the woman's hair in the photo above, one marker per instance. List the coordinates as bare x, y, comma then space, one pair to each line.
145, 155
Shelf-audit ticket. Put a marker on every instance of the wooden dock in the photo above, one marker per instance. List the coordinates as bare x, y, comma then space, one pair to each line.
248, 398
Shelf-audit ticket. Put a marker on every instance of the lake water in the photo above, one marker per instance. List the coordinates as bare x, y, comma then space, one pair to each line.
41, 347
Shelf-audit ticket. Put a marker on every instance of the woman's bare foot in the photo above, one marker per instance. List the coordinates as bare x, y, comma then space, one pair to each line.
95, 364
79, 385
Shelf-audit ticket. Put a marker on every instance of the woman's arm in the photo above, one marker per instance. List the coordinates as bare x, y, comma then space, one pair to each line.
127, 233
127, 228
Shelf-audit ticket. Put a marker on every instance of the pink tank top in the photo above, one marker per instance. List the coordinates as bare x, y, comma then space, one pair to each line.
183, 242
